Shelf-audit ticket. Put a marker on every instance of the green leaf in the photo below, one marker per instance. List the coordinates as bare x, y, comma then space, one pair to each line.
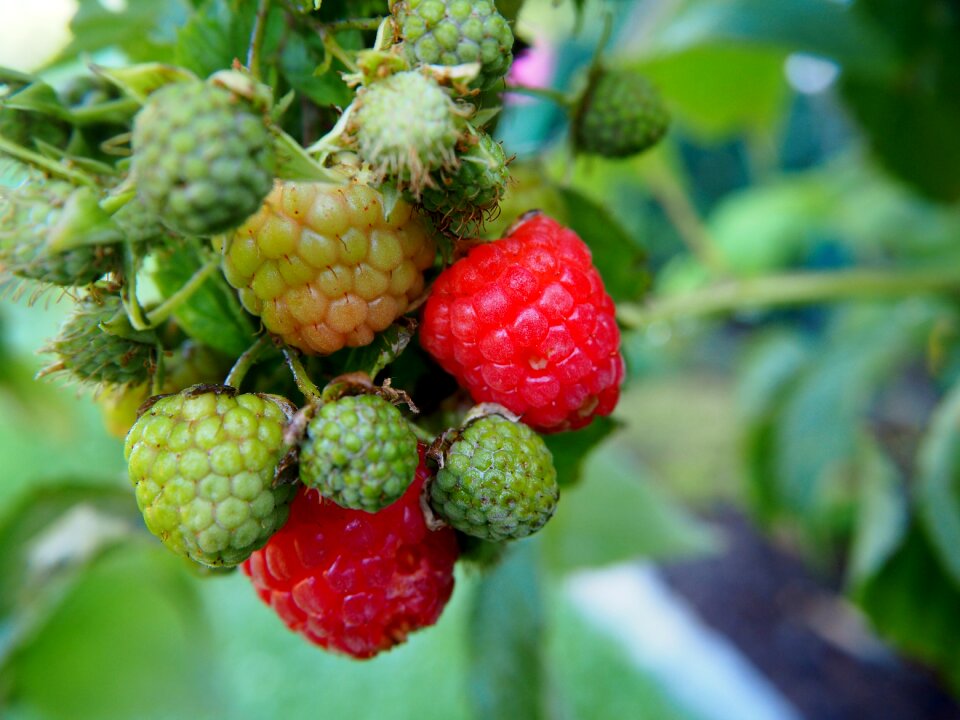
138, 81
131, 623
704, 88
213, 314
571, 449
619, 258
386, 347
295, 163
616, 514
912, 602
819, 427
818, 27
506, 667
883, 513
771, 370
142, 30
939, 482
299, 61
72, 522
910, 116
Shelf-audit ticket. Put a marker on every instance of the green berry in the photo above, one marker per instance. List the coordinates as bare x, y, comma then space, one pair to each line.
620, 114
139, 224
406, 126
96, 344
359, 452
497, 482
455, 32
203, 464
32, 217
463, 197
203, 159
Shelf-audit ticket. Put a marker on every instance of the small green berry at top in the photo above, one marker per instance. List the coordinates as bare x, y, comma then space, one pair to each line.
360, 452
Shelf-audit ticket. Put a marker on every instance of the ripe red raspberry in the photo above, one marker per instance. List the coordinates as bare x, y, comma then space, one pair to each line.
526, 322
356, 582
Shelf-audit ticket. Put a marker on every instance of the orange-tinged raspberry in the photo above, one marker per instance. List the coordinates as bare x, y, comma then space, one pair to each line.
323, 265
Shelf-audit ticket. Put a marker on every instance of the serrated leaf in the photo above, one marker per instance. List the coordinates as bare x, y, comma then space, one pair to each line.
213, 314
620, 260
506, 641
570, 450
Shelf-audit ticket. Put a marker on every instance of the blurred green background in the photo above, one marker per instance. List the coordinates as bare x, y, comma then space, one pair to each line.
786, 267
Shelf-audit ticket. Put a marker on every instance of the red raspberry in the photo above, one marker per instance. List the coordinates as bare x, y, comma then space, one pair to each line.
526, 322
355, 582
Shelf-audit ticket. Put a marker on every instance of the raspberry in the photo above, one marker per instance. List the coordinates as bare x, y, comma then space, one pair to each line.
203, 464
497, 481
526, 322
621, 114
463, 197
139, 224
359, 452
203, 159
454, 32
354, 582
96, 344
29, 221
324, 267
406, 126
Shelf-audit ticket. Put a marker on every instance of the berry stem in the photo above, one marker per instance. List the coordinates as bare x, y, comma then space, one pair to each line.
422, 435
169, 306
673, 197
256, 38
306, 386
354, 24
789, 290
556, 96
246, 361
44, 163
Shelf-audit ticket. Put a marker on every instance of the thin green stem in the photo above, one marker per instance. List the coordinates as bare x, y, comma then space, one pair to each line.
422, 434
353, 24
333, 47
44, 163
304, 383
115, 110
256, 38
246, 361
679, 207
790, 290
555, 96
169, 306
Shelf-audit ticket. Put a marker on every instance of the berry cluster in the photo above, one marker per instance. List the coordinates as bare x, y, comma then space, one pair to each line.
208, 246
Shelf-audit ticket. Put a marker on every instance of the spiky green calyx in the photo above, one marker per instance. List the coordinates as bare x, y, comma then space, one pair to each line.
406, 126
97, 345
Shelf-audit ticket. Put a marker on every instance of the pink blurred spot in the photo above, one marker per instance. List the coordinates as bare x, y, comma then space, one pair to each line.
532, 67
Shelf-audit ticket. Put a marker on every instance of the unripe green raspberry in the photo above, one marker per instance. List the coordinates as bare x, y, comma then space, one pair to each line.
96, 344
454, 32
461, 198
620, 114
359, 452
497, 481
406, 126
203, 159
203, 464
29, 216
